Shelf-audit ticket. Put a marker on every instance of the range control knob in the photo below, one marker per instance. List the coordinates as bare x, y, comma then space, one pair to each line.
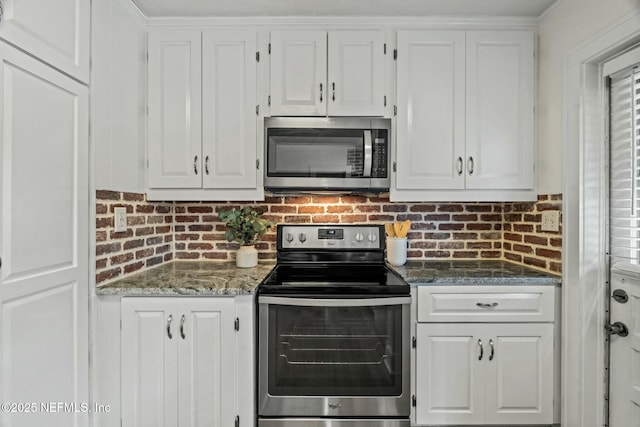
373, 237
289, 237
359, 237
302, 237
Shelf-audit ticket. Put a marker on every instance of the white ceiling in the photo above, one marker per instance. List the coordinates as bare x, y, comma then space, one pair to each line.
249, 8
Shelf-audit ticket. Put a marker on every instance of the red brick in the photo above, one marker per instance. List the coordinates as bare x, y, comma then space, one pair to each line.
479, 245
542, 197
199, 246
311, 209
108, 248
522, 207
322, 199
168, 238
319, 219
180, 228
548, 207
490, 217
411, 217
144, 231
162, 249
479, 208
491, 236
353, 199
132, 244
512, 217
535, 262
155, 240
532, 218
201, 227
353, 218
548, 253
422, 245
423, 226
228, 246
162, 229
523, 249
187, 255
163, 209
154, 261
513, 257
215, 255
366, 208
133, 197
464, 217
301, 200
107, 195
200, 209
187, 236
168, 257
133, 267
156, 219
535, 240
437, 217
449, 226
101, 263
135, 220
497, 245
101, 209
490, 254
283, 209
437, 254
187, 218
394, 208
465, 254
273, 200
450, 208
297, 219
422, 208
476, 226
121, 259
507, 246
555, 267
213, 236
101, 236
555, 197
379, 218
437, 236
104, 222
513, 237
465, 236
555, 242
144, 253
450, 245
339, 209
107, 275
145, 209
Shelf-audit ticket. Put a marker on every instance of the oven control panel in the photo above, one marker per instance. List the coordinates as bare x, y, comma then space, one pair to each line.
331, 237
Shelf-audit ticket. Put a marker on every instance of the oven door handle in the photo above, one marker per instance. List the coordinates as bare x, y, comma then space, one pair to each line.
368, 154
337, 302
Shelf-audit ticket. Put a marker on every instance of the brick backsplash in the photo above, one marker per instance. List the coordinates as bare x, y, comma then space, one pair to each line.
163, 231
147, 242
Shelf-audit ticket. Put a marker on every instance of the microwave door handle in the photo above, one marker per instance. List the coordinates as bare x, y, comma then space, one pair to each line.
368, 154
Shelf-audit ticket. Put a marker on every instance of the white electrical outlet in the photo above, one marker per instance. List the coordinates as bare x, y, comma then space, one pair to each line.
550, 221
120, 219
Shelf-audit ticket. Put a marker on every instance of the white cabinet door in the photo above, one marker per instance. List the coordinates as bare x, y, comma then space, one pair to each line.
44, 225
519, 379
449, 375
298, 73
175, 141
149, 362
356, 73
500, 110
206, 362
431, 106
56, 32
229, 123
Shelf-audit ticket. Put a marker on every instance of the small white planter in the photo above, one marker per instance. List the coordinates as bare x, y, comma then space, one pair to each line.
247, 257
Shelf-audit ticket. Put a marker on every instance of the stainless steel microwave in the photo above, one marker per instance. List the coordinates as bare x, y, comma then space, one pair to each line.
327, 154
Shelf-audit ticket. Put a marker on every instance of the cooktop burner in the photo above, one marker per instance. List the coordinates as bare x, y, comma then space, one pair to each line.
329, 260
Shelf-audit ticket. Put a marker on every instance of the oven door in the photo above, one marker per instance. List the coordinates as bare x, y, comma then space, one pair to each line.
333, 357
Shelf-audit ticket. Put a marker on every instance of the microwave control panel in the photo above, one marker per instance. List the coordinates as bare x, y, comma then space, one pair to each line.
379, 158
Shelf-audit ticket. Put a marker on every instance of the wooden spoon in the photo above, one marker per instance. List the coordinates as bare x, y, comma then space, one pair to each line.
388, 228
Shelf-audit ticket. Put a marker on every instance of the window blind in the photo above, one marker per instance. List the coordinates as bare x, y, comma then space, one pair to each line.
624, 166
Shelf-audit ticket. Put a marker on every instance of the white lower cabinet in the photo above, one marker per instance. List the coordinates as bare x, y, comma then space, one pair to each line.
178, 362
490, 372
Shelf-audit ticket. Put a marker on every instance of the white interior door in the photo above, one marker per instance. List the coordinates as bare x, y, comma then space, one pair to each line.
624, 386
44, 240
55, 31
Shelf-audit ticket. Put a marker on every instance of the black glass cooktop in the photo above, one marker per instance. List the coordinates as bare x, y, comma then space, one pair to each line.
333, 280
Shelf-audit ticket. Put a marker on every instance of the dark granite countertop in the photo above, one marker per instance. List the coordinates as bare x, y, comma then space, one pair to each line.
196, 278
485, 272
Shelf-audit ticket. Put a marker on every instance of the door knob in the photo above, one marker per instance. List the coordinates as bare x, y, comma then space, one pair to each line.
620, 296
618, 328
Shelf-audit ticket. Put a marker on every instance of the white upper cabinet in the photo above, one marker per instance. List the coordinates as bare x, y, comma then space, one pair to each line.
56, 32
339, 73
203, 135
228, 109
500, 110
175, 143
431, 108
298, 73
465, 127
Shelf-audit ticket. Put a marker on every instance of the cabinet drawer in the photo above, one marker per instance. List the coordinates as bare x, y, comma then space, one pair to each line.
485, 304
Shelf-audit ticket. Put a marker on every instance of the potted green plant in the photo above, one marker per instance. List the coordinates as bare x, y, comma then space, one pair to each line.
245, 226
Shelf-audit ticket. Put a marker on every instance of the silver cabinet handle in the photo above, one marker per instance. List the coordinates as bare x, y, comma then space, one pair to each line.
487, 305
333, 91
320, 92
195, 164
182, 327
470, 165
492, 350
481, 349
169, 320
206, 165
460, 166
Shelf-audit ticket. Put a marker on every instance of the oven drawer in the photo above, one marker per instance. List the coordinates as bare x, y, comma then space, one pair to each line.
332, 422
485, 303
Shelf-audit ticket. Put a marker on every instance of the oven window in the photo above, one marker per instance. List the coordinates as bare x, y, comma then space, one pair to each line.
335, 351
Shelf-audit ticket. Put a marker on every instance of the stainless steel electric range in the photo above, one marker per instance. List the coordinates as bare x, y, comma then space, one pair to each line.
333, 321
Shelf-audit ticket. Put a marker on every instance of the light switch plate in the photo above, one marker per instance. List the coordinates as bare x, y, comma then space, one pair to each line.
120, 219
550, 221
